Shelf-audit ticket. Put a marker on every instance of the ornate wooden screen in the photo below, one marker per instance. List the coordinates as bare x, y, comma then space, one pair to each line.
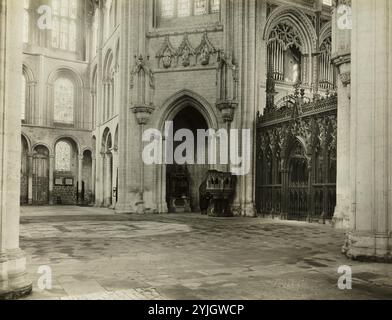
296, 157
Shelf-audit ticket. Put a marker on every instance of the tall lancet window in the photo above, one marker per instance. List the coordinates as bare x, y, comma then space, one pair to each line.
95, 32
186, 8
214, 6
26, 21
23, 98
284, 53
63, 155
64, 101
201, 7
183, 8
65, 23
167, 8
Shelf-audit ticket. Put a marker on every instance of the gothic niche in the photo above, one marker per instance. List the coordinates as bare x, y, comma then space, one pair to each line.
142, 85
285, 53
166, 55
205, 50
185, 52
227, 86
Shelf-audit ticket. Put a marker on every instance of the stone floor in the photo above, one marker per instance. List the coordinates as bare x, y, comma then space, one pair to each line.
95, 254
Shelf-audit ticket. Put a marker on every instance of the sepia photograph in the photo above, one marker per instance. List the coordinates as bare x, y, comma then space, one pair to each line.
172, 151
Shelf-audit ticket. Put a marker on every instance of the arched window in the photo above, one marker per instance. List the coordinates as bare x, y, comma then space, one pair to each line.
201, 7
95, 32
183, 8
64, 101
94, 99
186, 8
167, 8
112, 14
64, 33
72, 36
23, 98
26, 21
63, 156
284, 53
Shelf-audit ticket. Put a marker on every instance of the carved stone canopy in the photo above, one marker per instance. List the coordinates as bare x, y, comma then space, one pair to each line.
166, 54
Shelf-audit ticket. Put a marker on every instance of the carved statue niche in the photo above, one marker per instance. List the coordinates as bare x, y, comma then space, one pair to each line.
185, 52
205, 50
227, 77
166, 55
227, 86
142, 78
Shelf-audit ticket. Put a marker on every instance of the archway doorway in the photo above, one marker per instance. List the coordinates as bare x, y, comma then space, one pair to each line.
86, 191
184, 180
41, 176
298, 183
24, 173
107, 147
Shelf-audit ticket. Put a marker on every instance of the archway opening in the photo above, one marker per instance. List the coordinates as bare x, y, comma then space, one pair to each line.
107, 147
86, 192
298, 183
66, 168
24, 173
40, 175
183, 181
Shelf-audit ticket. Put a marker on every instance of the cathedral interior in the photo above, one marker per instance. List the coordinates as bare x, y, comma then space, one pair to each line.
308, 79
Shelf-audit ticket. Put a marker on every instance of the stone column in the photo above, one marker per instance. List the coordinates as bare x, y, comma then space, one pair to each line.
245, 49
126, 123
114, 175
30, 179
51, 177
80, 178
135, 106
108, 180
93, 178
143, 114
13, 279
341, 57
100, 174
371, 132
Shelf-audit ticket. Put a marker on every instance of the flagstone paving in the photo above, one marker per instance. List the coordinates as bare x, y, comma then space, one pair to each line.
96, 254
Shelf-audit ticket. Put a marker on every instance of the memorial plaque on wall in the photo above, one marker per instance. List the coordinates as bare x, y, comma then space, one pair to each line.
69, 182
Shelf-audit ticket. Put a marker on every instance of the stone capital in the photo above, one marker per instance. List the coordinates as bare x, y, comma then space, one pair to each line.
341, 58
143, 113
227, 108
345, 77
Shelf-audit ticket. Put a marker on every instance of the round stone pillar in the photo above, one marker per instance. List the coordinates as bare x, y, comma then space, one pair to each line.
13, 279
341, 58
369, 237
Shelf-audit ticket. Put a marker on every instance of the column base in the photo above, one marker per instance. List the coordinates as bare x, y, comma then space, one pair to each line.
124, 209
244, 210
14, 283
341, 220
364, 246
341, 223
